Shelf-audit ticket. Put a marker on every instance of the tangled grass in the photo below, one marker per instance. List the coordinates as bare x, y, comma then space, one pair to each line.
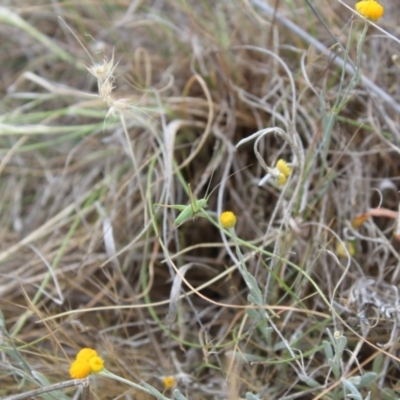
114, 113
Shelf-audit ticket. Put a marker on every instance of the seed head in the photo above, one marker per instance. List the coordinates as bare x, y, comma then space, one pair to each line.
103, 71
105, 89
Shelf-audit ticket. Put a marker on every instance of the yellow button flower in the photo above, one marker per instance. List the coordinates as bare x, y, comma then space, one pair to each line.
79, 369
227, 219
169, 382
283, 167
282, 171
87, 361
341, 248
86, 354
370, 9
96, 364
282, 178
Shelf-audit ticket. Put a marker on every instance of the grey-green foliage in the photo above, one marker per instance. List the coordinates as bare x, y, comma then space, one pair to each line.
154, 392
259, 318
24, 371
334, 352
311, 382
354, 393
254, 297
178, 395
251, 396
363, 380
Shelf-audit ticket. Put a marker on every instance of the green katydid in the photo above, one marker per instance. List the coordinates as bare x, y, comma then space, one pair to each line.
195, 208
192, 210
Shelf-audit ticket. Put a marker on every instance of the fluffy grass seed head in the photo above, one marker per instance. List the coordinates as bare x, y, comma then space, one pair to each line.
370, 9
103, 71
169, 382
227, 219
79, 369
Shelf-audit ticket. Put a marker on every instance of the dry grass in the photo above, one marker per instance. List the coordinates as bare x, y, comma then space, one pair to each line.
112, 110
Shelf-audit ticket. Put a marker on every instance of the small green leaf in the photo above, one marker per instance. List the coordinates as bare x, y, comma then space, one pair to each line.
367, 378
341, 343
311, 382
178, 395
355, 394
252, 299
335, 368
266, 331
251, 396
378, 362
153, 391
328, 350
253, 314
330, 336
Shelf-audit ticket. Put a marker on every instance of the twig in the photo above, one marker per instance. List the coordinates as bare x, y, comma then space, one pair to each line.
61, 385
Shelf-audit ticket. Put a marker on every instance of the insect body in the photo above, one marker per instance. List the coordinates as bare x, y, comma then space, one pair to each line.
193, 210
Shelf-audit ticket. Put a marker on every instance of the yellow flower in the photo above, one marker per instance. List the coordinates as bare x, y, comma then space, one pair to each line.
79, 369
283, 168
281, 172
169, 382
370, 9
282, 178
96, 364
86, 354
342, 247
87, 361
227, 219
